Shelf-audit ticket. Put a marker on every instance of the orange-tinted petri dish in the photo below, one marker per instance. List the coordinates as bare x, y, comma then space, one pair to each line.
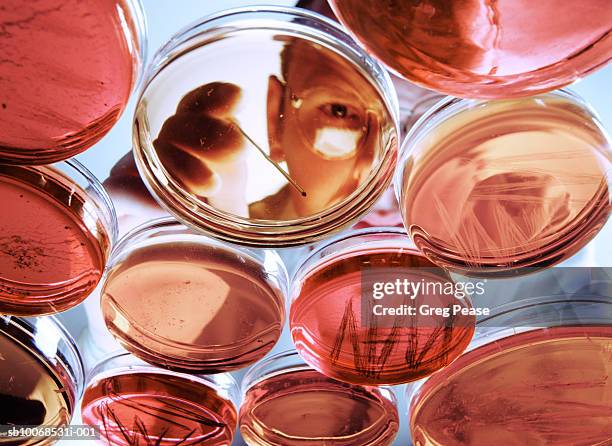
56, 232
546, 387
536, 372
136, 404
298, 145
185, 302
286, 403
67, 70
332, 316
493, 187
483, 49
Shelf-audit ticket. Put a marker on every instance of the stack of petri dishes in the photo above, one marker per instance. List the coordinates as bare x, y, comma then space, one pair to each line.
68, 70
499, 183
337, 240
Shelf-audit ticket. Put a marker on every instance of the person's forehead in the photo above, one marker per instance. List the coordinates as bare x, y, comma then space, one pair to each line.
308, 65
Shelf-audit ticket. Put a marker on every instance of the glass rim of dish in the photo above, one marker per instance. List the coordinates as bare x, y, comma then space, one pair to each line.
67, 357
361, 239
487, 332
149, 230
73, 171
121, 362
167, 230
111, 225
447, 106
257, 232
290, 361
84, 184
272, 365
546, 304
142, 34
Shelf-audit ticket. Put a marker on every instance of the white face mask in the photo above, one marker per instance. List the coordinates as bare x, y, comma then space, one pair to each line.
336, 143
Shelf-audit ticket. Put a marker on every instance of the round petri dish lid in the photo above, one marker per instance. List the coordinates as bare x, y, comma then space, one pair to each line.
41, 378
135, 402
469, 164
481, 49
285, 402
56, 237
68, 73
162, 270
266, 127
550, 334
335, 311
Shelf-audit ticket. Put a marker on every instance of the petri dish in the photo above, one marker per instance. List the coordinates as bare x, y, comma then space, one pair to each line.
537, 372
68, 71
183, 301
136, 403
496, 187
41, 378
339, 325
287, 403
56, 234
479, 49
266, 126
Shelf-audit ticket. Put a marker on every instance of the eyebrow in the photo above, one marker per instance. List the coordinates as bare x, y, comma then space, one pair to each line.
339, 94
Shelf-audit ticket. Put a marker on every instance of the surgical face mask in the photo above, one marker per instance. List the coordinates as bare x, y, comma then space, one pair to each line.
336, 143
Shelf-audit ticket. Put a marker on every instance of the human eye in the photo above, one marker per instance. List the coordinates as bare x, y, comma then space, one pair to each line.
341, 113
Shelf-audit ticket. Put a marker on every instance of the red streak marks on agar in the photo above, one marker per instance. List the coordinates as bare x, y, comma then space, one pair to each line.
545, 387
66, 71
305, 408
51, 257
153, 409
333, 336
504, 185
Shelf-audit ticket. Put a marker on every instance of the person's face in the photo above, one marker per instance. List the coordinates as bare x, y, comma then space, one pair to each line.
324, 120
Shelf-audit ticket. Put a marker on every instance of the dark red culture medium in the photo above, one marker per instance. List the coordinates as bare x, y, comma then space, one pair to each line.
155, 409
482, 48
542, 387
53, 247
341, 337
67, 68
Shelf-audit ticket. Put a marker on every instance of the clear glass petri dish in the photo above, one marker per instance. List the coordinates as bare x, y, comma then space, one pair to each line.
184, 301
41, 379
287, 403
56, 230
70, 69
537, 372
342, 327
135, 403
266, 126
476, 49
498, 187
